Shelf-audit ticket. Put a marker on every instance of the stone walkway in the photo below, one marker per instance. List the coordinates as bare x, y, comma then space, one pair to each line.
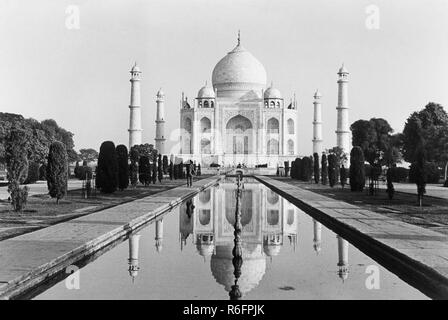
27, 260
420, 255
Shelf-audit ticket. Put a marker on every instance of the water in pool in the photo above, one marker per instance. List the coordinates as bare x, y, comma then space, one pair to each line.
187, 254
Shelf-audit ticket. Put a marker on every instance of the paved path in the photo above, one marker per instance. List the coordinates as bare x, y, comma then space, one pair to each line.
433, 190
419, 254
40, 187
27, 260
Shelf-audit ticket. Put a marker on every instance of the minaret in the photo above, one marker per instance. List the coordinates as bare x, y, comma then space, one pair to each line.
317, 124
160, 123
343, 131
342, 258
135, 120
159, 235
133, 255
317, 240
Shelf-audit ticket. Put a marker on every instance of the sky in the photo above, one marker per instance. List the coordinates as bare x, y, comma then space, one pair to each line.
80, 76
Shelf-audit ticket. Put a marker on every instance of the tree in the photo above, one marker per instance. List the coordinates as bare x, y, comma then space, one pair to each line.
357, 173
293, 169
88, 155
165, 164
123, 167
107, 169
332, 169
427, 128
298, 170
418, 174
316, 167
324, 166
144, 173
134, 156
307, 169
374, 137
76, 171
57, 168
17, 167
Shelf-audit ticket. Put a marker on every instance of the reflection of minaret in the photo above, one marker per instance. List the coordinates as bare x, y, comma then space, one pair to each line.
159, 235
317, 240
133, 255
342, 258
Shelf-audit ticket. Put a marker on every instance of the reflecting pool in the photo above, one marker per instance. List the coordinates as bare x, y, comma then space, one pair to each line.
187, 254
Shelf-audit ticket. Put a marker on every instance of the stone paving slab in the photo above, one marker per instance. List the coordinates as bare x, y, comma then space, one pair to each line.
28, 259
422, 251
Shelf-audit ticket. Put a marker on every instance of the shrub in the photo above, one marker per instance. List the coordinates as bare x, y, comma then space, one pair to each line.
316, 168
17, 167
57, 170
123, 167
76, 171
357, 171
33, 172
307, 169
324, 169
107, 169
332, 169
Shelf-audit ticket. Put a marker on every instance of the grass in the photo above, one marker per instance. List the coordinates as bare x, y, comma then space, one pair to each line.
41, 210
404, 207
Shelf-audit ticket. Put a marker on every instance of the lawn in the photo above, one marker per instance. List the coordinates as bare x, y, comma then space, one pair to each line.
433, 214
41, 210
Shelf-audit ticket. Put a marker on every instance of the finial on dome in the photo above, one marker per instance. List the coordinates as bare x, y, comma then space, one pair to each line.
239, 37
272, 84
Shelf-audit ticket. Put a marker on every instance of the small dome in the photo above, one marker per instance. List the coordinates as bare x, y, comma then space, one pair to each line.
206, 92
343, 69
317, 94
160, 93
272, 93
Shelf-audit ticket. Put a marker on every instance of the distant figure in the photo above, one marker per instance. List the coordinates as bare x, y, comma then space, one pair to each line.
159, 168
171, 170
190, 171
198, 173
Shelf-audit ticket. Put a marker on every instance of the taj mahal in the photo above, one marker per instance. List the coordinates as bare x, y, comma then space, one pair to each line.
238, 119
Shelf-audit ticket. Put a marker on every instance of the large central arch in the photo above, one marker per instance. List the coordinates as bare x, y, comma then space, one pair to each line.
239, 135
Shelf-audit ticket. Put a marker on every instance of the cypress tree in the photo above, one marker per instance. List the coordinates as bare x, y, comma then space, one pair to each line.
123, 167
332, 169
144, 173
17, 167
298, 169
57, 172
107, 170
357, 170
316, 167
324, 169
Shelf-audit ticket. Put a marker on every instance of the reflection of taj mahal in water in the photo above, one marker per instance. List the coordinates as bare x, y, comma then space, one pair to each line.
268, 221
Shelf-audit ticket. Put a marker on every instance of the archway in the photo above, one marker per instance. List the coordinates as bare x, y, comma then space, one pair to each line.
239, 135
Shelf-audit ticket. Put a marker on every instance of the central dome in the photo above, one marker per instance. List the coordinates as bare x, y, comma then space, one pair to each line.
238, 73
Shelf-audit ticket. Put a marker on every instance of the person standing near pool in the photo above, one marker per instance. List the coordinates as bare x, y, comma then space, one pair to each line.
190, 171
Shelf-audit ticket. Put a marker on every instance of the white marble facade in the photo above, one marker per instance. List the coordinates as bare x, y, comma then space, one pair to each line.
237, 120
